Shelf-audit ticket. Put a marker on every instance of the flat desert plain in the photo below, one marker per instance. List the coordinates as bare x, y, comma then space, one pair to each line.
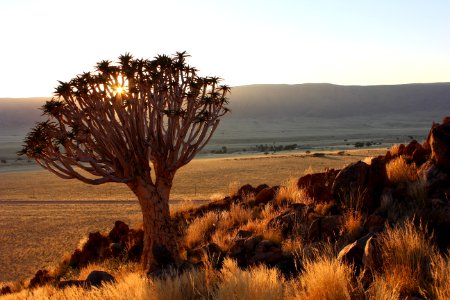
42, 216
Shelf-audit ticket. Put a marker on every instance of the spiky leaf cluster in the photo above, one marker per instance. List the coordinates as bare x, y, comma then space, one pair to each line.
113, 121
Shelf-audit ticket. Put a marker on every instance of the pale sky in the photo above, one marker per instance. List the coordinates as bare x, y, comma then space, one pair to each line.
354, 42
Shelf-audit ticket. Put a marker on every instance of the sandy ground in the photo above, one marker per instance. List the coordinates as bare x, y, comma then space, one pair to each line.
42, 216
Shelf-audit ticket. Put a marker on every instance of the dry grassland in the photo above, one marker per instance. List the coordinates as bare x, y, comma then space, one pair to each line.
36, 234
198, 180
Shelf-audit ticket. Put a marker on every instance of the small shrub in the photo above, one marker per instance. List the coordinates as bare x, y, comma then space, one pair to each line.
293, 245
194, 284
441, 277
236, 216
256, 283
381, 290
407, 254
201, 229
224, 238
324, 278
290, 192
398, 170
353, 225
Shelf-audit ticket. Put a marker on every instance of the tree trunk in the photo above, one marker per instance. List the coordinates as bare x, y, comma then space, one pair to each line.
160, 247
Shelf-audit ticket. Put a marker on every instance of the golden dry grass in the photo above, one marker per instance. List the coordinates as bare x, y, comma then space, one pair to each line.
257, 283
407, 257
441, 277
324, 278
353, 225
290, 192
201, 228
398, 170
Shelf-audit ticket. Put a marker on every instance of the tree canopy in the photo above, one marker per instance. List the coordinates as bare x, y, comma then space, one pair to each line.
108, 125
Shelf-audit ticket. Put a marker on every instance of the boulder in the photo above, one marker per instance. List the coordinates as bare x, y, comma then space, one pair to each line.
246, 190
220, 205
354, 253
439, 141
5, 290
238, 252
264, 196
243, 234
436, 180
286, 221
351, 254
119, 232
374, 223
372, 256
267, 252
359, 185
318, 186
260, 187
41, 277
325, 227
351, 179
118, 249
416, 152
96, 248
98, 278
251, 242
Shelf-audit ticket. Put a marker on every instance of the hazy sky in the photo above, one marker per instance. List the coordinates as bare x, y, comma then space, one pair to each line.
343, 42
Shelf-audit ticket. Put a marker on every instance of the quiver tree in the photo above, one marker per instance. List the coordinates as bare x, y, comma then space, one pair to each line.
117, 123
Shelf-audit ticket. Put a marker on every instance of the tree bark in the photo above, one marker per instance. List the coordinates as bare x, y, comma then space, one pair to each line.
160, 246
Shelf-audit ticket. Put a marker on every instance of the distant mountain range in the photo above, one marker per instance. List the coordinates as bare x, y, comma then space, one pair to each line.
268, 101
310, 115
335, 101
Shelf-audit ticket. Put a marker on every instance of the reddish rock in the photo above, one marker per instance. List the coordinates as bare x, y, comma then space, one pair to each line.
351, 254
290, 218
439, 141
246, 190
119, 232
436, 180
417, 152
5, 290
359, 185
98, 278
318, 186
351, 179
260, 187
267, 252
220, 205
41, 277
374, 223
251, 242
95, 249
372, 257
265, 196
325, 227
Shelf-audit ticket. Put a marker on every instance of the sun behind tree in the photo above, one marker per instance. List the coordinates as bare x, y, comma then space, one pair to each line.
119, 122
